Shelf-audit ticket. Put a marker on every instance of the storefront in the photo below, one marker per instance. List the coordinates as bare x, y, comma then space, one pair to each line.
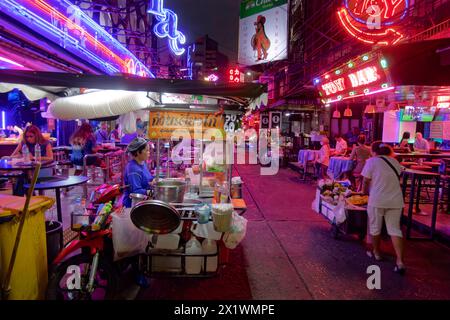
409, 81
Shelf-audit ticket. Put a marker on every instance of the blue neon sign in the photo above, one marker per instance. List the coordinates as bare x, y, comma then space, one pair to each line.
167, 26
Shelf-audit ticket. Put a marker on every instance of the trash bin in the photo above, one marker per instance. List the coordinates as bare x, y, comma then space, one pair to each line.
29, 276
54, 233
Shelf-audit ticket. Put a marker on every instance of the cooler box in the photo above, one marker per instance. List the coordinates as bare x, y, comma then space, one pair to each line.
29, 276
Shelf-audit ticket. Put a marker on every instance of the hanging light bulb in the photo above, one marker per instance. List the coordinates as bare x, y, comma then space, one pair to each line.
336, 113
348, 112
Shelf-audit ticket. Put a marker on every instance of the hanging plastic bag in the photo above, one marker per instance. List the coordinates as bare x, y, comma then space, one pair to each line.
237, 231
127, 122
339, 212
128, 240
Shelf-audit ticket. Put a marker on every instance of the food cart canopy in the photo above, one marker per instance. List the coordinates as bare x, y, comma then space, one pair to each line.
106, 96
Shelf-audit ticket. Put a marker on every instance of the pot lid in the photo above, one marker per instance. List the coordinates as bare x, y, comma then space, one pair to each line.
154, 216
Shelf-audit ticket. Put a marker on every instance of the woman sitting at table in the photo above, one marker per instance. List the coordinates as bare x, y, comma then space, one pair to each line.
32, 136
404, 143
323, 159
137, 175
83, 143
381, 182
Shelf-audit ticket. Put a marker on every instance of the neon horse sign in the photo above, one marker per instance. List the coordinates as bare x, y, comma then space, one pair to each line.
373, 21
167, 26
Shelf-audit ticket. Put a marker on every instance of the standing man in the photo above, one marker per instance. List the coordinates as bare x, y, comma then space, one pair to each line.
102, 133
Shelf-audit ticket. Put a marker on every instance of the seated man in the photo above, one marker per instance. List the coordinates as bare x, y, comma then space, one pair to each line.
421, 144
137, 175
341, 146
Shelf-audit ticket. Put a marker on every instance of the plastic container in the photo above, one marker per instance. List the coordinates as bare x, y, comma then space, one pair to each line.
209, 246
37, 153
193, 264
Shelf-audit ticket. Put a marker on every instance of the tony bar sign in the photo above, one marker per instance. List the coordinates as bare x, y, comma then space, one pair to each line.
163, 124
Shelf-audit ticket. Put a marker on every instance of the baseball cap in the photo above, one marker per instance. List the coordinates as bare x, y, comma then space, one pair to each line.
136, 144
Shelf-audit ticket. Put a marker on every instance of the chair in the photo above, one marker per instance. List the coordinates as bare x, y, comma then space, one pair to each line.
63, 163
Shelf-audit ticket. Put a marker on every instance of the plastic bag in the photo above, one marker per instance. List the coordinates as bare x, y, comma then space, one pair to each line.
128, 240
339, 212
237, 231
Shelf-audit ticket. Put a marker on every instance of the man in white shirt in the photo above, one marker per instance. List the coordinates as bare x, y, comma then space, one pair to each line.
381, 181
341, 146
421, 144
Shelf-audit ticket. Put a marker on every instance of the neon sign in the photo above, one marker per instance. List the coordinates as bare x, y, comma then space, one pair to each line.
65, 24
234, 75
212, 78
373, 22
361, 77
167, 26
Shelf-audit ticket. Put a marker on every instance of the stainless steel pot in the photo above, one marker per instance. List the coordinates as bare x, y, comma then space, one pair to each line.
154, 216
170, 190
136, 198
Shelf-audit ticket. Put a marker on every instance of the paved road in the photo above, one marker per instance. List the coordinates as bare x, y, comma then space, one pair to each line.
291, 255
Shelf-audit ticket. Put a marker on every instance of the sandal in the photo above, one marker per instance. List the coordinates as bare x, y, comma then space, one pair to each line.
400, 269
372, 254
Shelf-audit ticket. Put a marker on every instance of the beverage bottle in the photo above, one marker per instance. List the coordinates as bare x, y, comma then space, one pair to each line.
209, 246
37, 153
193, 264
225, 192
25, 153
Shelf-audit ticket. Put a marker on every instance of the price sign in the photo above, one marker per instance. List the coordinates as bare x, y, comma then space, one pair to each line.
275, 120
264, 123
232, 122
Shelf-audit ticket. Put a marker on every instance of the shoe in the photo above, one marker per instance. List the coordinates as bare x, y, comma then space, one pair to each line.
401, 270
372, 254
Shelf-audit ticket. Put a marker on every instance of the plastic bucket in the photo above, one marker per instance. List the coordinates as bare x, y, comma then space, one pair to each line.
54, 232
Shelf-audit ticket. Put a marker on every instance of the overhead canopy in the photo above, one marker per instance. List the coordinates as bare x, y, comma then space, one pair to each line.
132, 83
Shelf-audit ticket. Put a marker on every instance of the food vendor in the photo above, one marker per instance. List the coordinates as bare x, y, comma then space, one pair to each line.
137, 175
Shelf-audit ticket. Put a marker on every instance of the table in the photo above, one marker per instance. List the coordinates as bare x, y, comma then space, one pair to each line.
7, 165
418, 176
418, 155
306, 155
57, 184
339, 165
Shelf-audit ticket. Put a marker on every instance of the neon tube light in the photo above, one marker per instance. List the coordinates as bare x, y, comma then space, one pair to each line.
3, 119
64, 23
11, 62
167, 26
389, 36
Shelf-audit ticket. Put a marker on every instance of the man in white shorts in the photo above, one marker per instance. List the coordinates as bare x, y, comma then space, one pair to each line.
381, 175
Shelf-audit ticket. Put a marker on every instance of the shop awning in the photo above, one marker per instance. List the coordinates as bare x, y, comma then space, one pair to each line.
132, 83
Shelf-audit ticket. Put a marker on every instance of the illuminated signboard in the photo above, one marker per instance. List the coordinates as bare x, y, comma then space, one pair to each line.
65, 24
374, 22
167, 26
235, 75
263, 31
362, 76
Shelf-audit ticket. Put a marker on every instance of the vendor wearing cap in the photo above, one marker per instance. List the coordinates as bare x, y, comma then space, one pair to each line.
137, 175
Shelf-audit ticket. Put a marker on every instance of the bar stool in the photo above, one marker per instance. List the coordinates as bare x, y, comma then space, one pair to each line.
421, 168
408, 164
417, 178
434, 165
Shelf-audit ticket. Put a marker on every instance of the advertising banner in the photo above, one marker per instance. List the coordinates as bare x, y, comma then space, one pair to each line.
162, 124
275, 120
263, 31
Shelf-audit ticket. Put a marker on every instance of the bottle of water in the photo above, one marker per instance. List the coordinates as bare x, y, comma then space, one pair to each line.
25, 153
37, 153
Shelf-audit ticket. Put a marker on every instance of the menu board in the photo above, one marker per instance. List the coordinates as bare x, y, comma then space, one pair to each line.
436, 129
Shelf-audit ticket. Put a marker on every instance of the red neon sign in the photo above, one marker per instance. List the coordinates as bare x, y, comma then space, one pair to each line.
373, 22
234, 75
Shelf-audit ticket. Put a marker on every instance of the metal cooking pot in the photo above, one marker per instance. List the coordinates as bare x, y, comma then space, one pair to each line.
136, 198
155, 216
170, 190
